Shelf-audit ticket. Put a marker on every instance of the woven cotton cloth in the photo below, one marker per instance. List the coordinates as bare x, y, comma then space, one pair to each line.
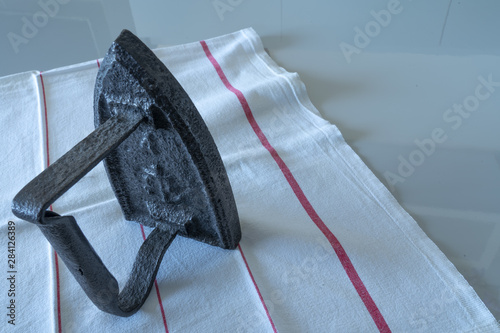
325, 247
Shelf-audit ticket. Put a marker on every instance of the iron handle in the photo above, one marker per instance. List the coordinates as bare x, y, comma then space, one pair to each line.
65, 235
34, 199
99, 284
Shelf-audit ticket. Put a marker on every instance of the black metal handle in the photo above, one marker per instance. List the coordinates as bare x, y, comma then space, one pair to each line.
65, 235
33, 200
99, 284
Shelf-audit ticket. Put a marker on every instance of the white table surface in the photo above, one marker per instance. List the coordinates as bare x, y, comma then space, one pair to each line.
385, 92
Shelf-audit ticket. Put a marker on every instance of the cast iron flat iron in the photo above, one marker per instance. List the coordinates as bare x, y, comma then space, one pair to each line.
163, 166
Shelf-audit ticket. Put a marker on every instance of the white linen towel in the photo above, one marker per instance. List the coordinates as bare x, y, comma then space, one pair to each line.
325, 247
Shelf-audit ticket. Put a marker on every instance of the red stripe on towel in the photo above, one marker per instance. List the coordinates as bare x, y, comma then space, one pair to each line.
56, 259
257, 288
339, 250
